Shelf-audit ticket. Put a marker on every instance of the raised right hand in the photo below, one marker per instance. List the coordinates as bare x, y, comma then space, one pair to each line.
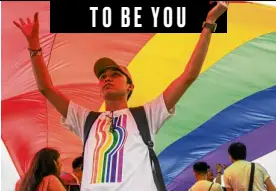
29, 29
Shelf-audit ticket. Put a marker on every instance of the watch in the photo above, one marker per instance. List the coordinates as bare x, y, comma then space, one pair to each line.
211, 26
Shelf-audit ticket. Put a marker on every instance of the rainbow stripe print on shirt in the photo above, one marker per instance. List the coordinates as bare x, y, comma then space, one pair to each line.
109, 150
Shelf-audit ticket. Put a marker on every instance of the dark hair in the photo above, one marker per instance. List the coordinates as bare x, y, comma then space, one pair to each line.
42, 165
77, 162
200, 167
237, 151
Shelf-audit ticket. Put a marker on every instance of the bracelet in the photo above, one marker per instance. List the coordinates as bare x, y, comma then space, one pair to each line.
35, 52
211, 26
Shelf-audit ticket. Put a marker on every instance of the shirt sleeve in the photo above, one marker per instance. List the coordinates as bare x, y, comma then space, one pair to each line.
227, 181
264, 172
75, 120
157, 113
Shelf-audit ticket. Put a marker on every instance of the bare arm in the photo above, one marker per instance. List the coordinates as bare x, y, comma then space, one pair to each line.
270, 186
179, 86
44, 82
42, 76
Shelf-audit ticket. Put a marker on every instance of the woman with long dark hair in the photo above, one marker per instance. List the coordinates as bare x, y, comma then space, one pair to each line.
44, 172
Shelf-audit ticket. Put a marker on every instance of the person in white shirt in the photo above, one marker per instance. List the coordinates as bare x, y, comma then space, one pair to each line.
202, 182
118, 160
237, 176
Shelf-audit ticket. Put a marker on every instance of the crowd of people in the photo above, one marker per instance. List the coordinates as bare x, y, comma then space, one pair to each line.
44, 174
241, 175
117, 155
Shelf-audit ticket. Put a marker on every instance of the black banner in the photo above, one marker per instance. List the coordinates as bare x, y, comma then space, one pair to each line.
76, 16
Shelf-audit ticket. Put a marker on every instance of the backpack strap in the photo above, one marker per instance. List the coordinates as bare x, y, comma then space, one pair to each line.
211, 186
140, 117
250, 187
91, 118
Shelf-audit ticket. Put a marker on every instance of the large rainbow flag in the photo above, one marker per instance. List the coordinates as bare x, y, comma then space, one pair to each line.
234, 98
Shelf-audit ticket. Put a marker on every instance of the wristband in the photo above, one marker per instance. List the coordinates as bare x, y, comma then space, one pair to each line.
35, 52
211, 26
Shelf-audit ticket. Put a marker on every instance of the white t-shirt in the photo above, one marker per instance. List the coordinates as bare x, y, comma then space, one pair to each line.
204, 185
117, 161
237, 176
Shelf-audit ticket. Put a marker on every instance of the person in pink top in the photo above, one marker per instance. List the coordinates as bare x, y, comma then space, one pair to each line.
43, 173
